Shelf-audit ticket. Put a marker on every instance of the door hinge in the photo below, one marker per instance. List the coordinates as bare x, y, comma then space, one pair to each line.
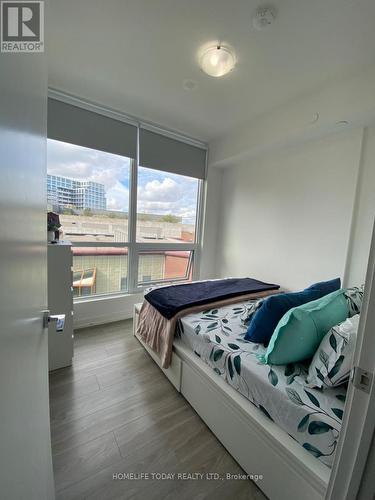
361, 379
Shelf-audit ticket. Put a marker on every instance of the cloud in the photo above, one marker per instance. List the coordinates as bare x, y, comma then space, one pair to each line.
168, 194
76, 170
166, 190
158, 192
82, 163
118, 198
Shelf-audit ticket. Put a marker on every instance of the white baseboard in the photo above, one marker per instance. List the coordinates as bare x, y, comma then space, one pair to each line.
100, 320
104, 310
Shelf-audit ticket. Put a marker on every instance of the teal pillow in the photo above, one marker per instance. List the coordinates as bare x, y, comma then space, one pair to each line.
273, 308
300, 331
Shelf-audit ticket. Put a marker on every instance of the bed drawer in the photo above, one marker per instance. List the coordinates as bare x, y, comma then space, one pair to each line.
270, 453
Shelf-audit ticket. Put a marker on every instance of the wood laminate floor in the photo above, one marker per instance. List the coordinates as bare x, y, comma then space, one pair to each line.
114, 412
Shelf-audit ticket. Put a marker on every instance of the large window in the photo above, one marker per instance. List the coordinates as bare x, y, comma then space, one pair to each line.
99, 270
167, 207
95, 193
90, 191
164, 266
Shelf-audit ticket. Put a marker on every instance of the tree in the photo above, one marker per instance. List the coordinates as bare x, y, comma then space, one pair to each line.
170, 218
67, 211
87, 212
145, 217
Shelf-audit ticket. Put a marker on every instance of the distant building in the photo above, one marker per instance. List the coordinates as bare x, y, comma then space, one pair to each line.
70, 193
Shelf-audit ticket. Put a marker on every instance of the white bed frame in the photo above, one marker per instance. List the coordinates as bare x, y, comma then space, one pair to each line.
257, 444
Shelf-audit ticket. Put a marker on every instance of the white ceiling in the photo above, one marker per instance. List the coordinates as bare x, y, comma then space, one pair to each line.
133, 55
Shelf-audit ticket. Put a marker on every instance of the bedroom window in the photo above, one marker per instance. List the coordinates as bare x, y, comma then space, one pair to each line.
166, 226
89, 189
99, 270
164, 266
166, 207
129, 200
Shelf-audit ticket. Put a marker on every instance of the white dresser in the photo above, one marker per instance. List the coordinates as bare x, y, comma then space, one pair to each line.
60, 301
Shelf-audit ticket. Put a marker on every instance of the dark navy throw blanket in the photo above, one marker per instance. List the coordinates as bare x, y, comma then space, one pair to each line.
170, 300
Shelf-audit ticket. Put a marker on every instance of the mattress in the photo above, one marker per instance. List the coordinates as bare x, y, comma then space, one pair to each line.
312, 417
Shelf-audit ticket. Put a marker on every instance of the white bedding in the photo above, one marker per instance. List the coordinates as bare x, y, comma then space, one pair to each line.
311, 416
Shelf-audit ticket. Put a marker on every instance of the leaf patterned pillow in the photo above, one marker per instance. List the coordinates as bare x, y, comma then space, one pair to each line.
354, 297
332, 361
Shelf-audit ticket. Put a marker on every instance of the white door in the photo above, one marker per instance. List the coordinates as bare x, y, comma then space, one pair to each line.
25, 448
359, 421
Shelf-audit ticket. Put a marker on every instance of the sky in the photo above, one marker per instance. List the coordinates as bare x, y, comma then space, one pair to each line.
158, 192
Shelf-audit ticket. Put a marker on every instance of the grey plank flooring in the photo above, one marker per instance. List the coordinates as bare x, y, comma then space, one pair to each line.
114, 412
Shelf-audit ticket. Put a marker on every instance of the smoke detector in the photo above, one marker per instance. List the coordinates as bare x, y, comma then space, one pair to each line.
264, 17
189, 85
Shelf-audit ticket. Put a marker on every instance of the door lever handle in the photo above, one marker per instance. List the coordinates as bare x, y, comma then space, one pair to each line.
58, 318
60, 321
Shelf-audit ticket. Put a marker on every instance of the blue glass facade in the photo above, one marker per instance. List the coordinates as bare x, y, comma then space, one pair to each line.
72, 193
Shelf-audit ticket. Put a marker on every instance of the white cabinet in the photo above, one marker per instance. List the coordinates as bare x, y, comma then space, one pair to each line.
60, 301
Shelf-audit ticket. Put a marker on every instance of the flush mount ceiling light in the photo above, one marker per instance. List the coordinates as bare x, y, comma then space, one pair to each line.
217, 60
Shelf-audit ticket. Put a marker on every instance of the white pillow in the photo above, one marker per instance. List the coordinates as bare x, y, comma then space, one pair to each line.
333, 359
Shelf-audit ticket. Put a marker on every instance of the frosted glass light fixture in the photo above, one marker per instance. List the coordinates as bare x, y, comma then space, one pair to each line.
217, 61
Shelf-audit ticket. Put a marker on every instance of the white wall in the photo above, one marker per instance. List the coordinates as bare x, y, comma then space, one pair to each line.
364, 212
286, 216
208, 267
100, 310
297, 201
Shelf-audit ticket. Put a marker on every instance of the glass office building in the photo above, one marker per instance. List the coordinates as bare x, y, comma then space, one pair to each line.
63, 192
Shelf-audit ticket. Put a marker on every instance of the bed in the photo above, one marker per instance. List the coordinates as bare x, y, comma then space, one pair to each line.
310, 416
268, 420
